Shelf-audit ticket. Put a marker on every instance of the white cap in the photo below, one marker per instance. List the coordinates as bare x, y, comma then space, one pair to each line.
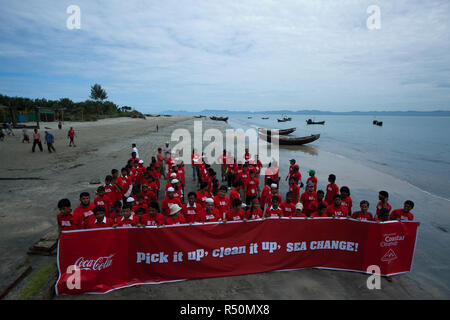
299, 206
141, 161
170, 189
209, 200
174, 181
173, 175
244, 205
273, 185
130, 199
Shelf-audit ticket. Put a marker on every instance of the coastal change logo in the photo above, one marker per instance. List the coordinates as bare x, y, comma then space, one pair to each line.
389, 256
391, 239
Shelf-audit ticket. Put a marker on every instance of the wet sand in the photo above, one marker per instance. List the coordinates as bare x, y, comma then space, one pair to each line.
69, 173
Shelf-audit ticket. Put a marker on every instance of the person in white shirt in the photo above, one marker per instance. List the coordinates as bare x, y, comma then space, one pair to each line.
135, 150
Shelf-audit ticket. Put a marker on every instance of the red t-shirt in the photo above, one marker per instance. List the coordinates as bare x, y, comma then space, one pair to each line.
131, 221
141, 205
306, 199
190, 213
67, 222
399, 214
380, 206
201, 197
94, 224
332, 190
103, 202
167, 202
157, 220
347, 202
313, 205
81, 214
317, 215
149, 196
295, 189
204, 216
252, 186
222, 204
256, 214
271, 212
109, 193
243, 176
333, 211
269, 199
297, 176
313, 180
71, 133
288, 209
265, 196
234, 194
178, 220
234, 216
362, 216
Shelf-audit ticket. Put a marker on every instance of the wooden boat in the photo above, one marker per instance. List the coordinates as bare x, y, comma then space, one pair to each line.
219, 118
264, 118
309, 121
285, 118
249, 117
378, 123
292, 141
281, 132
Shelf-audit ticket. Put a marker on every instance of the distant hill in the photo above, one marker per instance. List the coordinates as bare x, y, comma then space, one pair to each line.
438, 113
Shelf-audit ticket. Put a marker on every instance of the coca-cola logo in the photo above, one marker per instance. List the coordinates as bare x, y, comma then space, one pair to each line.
94, 264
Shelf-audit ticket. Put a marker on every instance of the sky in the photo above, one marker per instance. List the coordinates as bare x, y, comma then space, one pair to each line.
232, 55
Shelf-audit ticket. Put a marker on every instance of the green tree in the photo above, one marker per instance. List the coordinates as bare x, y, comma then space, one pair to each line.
97, 93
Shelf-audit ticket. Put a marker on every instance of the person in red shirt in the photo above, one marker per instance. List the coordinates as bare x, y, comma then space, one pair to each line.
255, 211
140, 203
336, 209
251, 188
139, 212
288, 206
308, 197
127, 219
405, 213
117, 190
364, 214
133, 157
196, 163
116, 211
247, 156
191, 209
383, 196
84, 210
235, 193
297, 175
209, 213
109, 189
265, 193
274, 210
244, 175
169, 200
383, 215
125, 182
312, 178
203, 194
236, 213
149, 195
273, 192
346, 200
99, 220
153, 218
299, 210
222, 202
313, 205
291, 169
295, 189
65, 218
321, 211
175, 216
71, 136
102, 200
332, 189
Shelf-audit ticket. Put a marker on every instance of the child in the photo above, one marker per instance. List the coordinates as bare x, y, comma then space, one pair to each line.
149, 195
140, 204
346, 200
203, 194
274, 210
102, 200
321, 211
84, 210
191, 209
295, 189
383, 196
65, 216
299, 210
273, 192
308, 197
175, 216
312, 178
313, 205
235, 193
99, 220
140, 215
265, 194
288, 207
222, 202
255, 211
364, 214
153, 218
127, 220
236, 212
332, 189
116, 211
337, 209
405, 213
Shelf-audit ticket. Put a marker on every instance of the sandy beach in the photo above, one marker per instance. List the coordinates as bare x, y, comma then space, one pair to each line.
29, 210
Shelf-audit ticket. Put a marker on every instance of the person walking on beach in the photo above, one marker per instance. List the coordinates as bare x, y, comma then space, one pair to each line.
71, 136
37, 140
26, 137
135, 150
49, 140
59, 125
9, 129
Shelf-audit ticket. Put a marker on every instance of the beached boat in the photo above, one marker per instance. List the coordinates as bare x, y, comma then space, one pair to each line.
378, 123
249, 117
264, 118
292, 141
219, 118
309, 121
281, 132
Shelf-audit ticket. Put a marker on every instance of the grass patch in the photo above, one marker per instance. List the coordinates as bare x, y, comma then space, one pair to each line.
38, 279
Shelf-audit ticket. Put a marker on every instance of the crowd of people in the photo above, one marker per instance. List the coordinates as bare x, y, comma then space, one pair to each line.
129, 197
